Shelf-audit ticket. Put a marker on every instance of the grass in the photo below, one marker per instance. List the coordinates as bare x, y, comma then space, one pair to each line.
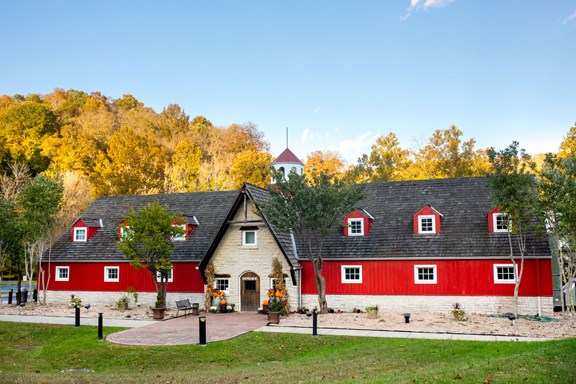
40, 353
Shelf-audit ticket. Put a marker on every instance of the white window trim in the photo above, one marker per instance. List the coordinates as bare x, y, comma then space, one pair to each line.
85, 229
420, 217
255, 238
495, 217
170, 275
272, 279
355, 219
181, 237
418, 281
109, 280
58, 278
227, 291
500, 281
351, 281
124, 231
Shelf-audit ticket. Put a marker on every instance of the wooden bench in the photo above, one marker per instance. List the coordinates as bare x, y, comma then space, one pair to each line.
183, 305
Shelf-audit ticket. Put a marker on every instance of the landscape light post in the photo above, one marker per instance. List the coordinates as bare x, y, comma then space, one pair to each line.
99, 325
77, 316
202, 330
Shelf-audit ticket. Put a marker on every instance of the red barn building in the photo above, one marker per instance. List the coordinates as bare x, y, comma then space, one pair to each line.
409, 246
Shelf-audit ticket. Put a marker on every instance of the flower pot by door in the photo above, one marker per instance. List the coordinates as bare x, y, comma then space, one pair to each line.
274, 317
158, 313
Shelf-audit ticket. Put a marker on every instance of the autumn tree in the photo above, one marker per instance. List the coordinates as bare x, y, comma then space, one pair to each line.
182, 174
311, 211
148, 243
24, 126
251, 167
133, 164
515, 193
328, 163
388, 160
447, 156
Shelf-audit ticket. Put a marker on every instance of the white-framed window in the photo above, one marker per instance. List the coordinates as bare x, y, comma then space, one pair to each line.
170, 275
426, 224
222, 284
501, 222
273, 283
62, 273
504, 274
425, 274
124, 231
355, 227
112, 274
249, 237
80, 234
180, 237
351, 274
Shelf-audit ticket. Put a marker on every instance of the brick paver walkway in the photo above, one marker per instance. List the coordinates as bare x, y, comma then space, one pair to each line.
185, 330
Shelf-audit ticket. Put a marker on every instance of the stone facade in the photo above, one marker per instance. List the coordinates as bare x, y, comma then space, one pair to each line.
235, 259
473, 304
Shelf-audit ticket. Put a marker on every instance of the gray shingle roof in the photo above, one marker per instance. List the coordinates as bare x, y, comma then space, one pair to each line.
209, 208
464, 203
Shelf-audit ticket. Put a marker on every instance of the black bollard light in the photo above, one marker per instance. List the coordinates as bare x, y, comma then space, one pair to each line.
35, 296
10, 293
77, 322
202, 330
99, 325
314, 315
407, 318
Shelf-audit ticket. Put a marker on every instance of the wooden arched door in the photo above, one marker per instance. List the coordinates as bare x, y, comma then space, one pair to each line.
249, 292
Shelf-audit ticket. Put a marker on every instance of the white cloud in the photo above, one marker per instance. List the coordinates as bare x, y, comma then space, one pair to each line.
570, 18
351, 150
418, 5
308, 135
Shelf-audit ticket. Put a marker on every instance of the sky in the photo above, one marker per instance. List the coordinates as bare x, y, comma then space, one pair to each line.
337, 74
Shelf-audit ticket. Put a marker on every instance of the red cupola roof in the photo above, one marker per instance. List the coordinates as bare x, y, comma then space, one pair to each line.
287, 157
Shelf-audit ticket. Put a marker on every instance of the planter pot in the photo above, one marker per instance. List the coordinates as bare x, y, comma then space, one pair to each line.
122, 306
265, 308
158, 313
223, 308
274, 317
372, 314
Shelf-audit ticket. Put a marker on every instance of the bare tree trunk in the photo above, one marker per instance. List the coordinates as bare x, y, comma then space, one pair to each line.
321, 287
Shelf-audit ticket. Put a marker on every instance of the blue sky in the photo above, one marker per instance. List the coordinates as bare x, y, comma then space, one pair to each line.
336, 73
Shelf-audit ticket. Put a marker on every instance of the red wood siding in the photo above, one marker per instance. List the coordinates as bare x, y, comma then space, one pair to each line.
357, 215
89, 232
454, 277
427, 211
90, 277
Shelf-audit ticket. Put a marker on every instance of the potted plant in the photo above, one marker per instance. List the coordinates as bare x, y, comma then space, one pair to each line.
122, 303
159, 309
223, 304
274, 308
372, 312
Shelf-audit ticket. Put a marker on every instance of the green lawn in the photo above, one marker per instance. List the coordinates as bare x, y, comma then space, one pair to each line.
32, 353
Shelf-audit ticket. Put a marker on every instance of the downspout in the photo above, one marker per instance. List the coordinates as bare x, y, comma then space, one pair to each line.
298, 269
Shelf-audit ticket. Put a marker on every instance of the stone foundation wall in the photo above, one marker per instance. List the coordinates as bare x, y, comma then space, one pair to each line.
472, 304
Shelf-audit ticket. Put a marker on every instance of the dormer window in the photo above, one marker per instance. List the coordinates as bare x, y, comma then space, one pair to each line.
80, 233
427, 221
183, 236
357, 223
426, 224
355, 227
83, 229
499, 222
